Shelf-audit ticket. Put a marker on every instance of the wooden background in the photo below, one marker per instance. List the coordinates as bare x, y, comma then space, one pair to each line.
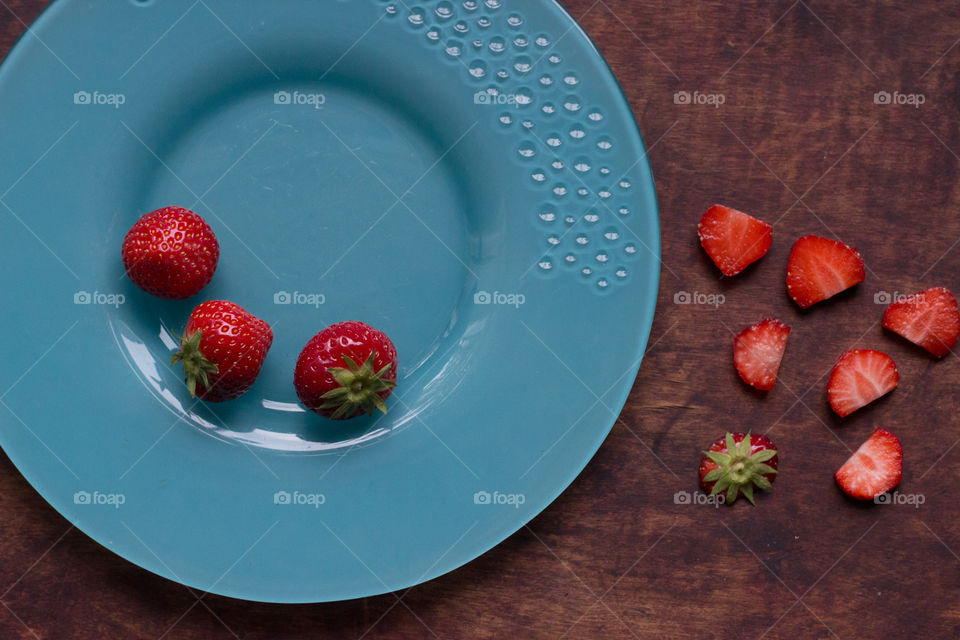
799, 141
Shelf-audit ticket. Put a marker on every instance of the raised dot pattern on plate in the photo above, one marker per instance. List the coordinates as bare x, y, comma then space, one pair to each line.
558, 138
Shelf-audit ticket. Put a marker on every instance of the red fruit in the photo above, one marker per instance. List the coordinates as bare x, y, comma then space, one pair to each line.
347, 369
222, 350
733, 239
873, 469
820, 268
860, 377
929, 319
736, 463
758, 350
171, 253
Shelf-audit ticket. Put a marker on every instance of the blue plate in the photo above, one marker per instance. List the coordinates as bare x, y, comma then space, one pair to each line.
467, 177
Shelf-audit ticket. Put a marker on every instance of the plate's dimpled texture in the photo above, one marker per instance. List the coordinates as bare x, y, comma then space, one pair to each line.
560, 140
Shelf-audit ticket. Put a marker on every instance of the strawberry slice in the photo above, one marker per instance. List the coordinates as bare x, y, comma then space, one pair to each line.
929, 319
820, 268
873, 469
860, 377
758, 350
733, 239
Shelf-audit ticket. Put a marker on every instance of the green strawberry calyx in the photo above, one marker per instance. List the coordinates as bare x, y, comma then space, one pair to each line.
738, 471
359, 388
196, 367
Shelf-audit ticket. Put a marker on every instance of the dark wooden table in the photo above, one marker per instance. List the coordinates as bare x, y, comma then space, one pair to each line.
799, 140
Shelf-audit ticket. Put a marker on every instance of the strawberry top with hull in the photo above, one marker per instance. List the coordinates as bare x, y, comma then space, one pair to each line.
736, 464
347, 369
222, 349
171, 253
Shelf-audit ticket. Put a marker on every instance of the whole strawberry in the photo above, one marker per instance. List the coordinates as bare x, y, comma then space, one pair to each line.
222, 350
347, 369
171, 253
736, 463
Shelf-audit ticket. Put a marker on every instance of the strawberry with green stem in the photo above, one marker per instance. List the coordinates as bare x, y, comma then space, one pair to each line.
737, 463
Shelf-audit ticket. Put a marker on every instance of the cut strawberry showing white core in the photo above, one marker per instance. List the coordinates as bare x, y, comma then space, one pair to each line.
758, 350
873, 469
860, 377
929, 319
733, 239
820, 268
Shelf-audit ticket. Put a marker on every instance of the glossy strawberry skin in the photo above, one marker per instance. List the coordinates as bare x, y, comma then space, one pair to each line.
171, 253
325, 350
234, 340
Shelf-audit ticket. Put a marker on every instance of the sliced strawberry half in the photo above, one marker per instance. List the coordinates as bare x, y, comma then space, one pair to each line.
820, 268
929, 319
733, 239
860, 377
758, 350
873, 469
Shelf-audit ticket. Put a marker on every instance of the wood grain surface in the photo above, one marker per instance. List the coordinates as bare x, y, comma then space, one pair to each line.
798, 141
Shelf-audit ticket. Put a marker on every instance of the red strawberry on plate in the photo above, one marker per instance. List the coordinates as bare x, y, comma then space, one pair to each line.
758, 350
820, 268
736, 463
347, 369
860, 377
170, 253
873, 469
222, 350
929, 319
733, 239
